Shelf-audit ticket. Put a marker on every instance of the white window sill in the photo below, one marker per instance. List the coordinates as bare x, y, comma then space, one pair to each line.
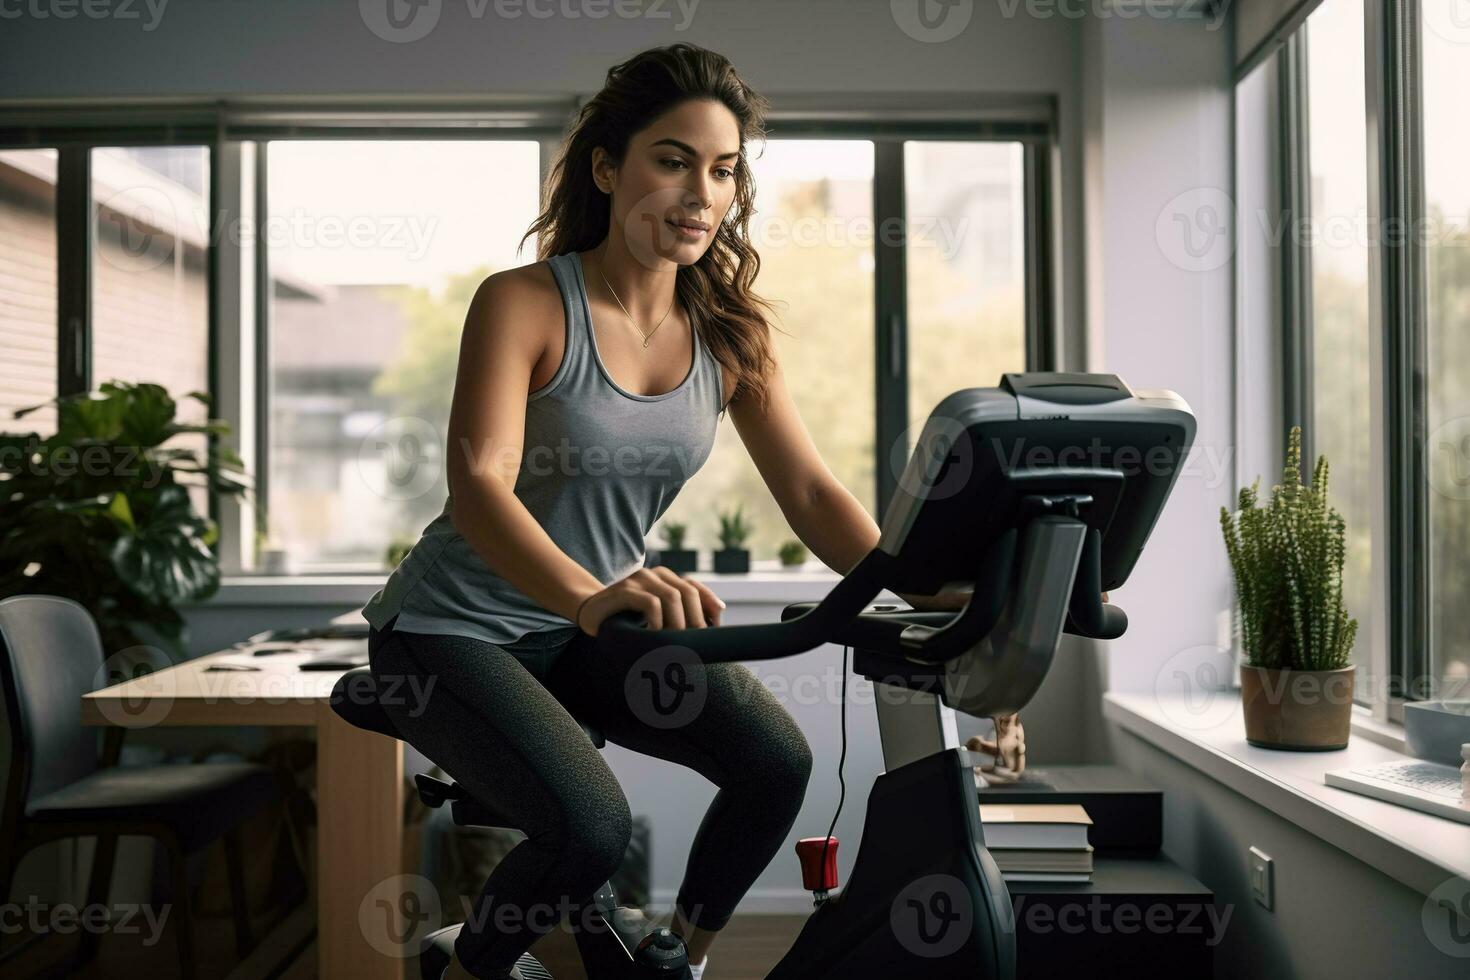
1415, 848
758, 587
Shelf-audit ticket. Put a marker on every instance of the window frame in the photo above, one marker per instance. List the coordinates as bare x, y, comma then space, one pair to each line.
1399, 654
226, 128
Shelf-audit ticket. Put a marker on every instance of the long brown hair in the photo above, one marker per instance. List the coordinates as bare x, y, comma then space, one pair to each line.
716, 290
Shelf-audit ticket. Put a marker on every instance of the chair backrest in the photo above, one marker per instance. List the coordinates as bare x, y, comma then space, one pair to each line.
50, 655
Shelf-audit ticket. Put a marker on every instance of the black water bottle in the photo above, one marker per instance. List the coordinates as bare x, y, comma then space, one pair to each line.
661, 954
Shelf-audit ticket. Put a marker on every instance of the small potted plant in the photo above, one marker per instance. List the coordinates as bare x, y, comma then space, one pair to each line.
271, 557
1287, 558
674, 556
733, 557
792, 553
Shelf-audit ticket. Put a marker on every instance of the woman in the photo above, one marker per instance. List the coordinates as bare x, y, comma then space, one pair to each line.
589, 389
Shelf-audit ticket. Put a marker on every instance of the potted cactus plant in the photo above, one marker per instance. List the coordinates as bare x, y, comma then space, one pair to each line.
674, 555
733, 557
1287, 560
792, 554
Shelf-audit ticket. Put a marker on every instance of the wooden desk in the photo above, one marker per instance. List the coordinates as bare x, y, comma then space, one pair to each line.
359, 788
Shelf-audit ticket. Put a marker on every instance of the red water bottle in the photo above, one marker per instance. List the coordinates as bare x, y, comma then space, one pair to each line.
818, 856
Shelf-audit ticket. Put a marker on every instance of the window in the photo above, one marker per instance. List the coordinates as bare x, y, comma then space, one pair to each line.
27, 288
150, 278
1446, 79
813, 230
150, 296
966, 269
1340, 424
1386, 307
374, 251
373, 233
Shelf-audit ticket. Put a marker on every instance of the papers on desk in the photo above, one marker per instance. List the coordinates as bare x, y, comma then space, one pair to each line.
1039, 841
319, 654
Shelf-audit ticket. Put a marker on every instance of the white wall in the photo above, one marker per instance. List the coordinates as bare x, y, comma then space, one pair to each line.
1158, 164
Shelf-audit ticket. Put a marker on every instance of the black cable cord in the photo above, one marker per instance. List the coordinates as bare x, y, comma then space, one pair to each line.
841, 763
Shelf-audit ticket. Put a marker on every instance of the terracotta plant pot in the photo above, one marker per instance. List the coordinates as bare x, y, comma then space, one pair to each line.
1305, 710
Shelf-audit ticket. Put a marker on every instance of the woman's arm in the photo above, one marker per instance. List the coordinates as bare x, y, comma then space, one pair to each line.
822, 512
827, 518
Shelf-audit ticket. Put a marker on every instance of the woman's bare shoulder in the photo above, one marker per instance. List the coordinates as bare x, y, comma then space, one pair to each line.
524, 299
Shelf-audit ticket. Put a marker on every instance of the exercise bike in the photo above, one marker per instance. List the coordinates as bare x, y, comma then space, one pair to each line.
1034, 497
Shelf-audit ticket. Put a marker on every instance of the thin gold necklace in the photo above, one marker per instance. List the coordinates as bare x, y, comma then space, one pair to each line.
634, 323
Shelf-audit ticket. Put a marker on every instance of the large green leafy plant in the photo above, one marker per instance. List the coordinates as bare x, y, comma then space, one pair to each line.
1287, 559
100, 511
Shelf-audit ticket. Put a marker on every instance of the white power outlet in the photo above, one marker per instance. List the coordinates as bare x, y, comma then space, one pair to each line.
1262, 885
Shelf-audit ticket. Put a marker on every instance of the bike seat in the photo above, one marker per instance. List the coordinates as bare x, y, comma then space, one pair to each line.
356, 699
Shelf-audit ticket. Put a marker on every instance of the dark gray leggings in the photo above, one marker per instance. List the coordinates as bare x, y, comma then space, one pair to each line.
497, 720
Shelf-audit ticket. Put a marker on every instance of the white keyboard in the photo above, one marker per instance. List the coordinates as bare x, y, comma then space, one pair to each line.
1426, 786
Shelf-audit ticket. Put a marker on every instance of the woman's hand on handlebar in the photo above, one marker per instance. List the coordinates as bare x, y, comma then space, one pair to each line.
662, 597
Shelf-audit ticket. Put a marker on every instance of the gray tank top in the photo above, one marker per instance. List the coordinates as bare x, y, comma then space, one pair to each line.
600, 465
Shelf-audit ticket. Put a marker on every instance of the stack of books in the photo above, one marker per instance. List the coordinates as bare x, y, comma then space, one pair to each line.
1039, 841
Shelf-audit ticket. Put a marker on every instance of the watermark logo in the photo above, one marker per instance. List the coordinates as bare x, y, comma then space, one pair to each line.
38, 918
1192, 687
122, 10
400, 21
1449, 458
1446, 918
666, 688
147, 703
400, 459
1212, 12
1448, 19
1196, 229
943, 458
405, 21
647, 230
398, 913
932, 21
138, 220
933, 917
1101, 915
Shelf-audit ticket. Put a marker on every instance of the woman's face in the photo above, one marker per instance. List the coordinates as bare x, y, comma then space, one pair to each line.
676, 183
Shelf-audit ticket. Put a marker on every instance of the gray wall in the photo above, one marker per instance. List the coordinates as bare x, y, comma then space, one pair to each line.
275, 49
1333, 917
